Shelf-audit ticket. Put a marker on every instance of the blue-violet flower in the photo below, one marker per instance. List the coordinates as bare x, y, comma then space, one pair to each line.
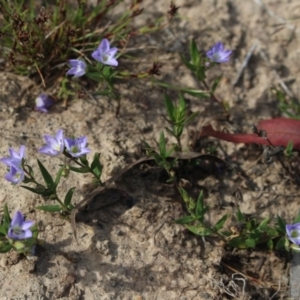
43, 102
105, 54
19, 228
77, 67
54, 145
293, 233
218, 54
15, 159
77, 147
15, 175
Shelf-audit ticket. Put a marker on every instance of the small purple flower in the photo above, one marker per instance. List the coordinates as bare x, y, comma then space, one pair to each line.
15, 159
105, 54
77, 147
54, 145
19, 228
77, 67
15, 175
43, 102
218, 54
293, 233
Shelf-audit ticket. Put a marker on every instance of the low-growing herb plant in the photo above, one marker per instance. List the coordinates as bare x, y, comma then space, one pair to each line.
246, 232
48, 43
74, 149
17, 234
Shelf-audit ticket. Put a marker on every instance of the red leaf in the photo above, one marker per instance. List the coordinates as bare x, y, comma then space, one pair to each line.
280, 132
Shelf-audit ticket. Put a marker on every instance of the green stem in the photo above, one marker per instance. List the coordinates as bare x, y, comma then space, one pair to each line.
31, 178
60, 202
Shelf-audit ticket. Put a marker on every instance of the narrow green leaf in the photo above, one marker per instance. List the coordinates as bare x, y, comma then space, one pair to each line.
184, 194
5, 248
3, 230
169, 107
34, 231
106, 72
221, 222
289, 148
272, 233
69, 196
240, 217
250, 243
162, 145
50, 208
263, 224
46, 175
80, 170
270, 244
96, 76
280, 243
281, 223
182, 105
45, 193
196, 93
169, 152
58, 175
202, 231
237, 242
96, 165
194, 53
185, 220
105, 92
200, 204
7, 218
200, 72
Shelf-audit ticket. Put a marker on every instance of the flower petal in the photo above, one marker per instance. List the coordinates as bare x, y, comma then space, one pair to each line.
73, 62
104, 46
112, 62
59, 136
79, 72
72, 71
96, 55
27, 224
17, 219
112, 52
22, 151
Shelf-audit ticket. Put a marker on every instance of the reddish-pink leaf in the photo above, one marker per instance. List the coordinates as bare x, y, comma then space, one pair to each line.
280, 132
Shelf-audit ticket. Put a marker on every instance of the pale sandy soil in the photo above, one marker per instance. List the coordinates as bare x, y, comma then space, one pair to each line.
137, 252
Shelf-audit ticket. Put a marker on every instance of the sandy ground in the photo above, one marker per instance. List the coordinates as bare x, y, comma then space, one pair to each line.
133, 249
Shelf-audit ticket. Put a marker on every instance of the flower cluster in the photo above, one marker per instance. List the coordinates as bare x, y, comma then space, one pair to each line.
104, 54
58, 144
54, 146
